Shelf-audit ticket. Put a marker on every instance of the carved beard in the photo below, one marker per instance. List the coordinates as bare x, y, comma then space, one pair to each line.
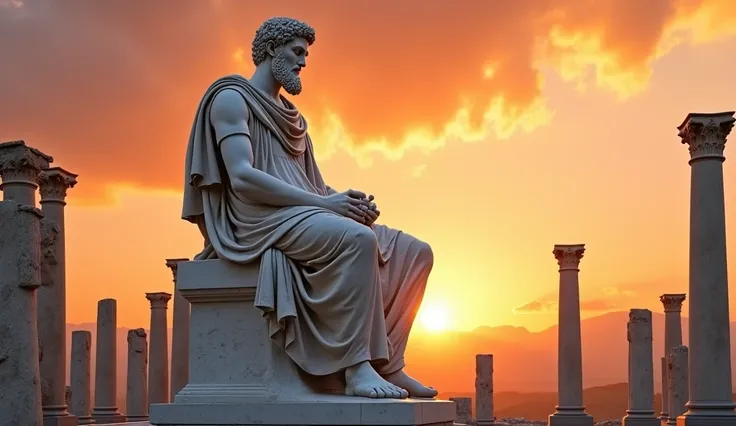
285, 76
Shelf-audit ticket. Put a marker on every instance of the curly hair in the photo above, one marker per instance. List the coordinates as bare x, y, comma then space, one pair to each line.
280, 30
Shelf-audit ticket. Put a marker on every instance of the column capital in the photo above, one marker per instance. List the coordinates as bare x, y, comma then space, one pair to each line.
672, 302
53, 183
21, 164
159, 299
636, 333
568, 255
173, 264
706, 133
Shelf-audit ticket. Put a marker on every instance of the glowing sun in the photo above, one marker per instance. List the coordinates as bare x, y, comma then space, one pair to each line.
434, 317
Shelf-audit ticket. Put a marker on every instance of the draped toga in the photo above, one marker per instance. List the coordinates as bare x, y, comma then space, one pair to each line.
334, 292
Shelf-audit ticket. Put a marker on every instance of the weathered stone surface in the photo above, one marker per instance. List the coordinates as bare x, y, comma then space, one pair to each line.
105, 409
158, 368
81, 376
136, 400
463, 410
484, 389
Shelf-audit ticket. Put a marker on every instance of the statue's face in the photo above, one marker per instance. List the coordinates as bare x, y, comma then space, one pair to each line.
288, 62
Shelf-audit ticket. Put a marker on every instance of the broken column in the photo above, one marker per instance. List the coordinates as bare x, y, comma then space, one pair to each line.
484, 390
136, 396
463, 410
20, 263
158, 368
105, 408
711, 401
672, 337
80, 375
570, 410
677, 360
179, 335
20, 166
51, 297
641, 370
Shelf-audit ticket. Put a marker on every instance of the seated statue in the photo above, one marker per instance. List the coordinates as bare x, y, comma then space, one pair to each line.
339, 292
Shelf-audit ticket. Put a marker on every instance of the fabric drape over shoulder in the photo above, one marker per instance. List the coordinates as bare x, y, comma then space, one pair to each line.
242, 230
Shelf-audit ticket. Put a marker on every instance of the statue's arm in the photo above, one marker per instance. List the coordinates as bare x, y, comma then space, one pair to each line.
331, 190
228, 116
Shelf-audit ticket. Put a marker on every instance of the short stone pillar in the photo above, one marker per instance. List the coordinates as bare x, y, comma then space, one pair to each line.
136, 396
81, 376
105, 410
158, 370
641, 370
570, 410
20, 263
464, 411
672, 337
51, 297
677, 382
20, 166
179, 335
484, 390
711, 401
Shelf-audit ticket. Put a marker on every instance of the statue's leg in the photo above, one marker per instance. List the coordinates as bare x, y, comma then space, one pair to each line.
404, 280
340, 321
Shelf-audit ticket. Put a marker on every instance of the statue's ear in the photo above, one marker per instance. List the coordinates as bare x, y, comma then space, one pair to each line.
271, 48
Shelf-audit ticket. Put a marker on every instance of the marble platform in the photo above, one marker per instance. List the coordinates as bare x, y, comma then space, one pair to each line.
237, 376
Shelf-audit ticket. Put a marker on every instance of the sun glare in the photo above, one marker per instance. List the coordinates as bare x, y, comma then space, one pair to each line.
433, 317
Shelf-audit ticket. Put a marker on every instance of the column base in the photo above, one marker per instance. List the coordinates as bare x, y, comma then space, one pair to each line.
142, 418
85, 420
67, 420
570, 418
708, 413
641, 420
107, 417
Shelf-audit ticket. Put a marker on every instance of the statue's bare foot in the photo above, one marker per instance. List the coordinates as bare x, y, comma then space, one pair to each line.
362, 380
416, 389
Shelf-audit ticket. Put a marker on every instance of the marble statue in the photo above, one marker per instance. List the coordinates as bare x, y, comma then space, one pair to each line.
339, 291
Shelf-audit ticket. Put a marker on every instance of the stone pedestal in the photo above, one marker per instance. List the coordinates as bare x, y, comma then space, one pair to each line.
672, 337
20, 166
179, 336
570, 410
484, 390
136, 396
51, 297
641, 370
105, 409
463, 410
80, 376
237, 376
20, 263
677, 382
711, 401
158, 369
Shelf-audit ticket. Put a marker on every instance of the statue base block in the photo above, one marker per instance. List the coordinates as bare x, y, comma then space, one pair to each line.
564, 419
330, 410
68, 420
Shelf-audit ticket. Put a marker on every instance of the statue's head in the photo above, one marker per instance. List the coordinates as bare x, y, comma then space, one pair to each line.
282, 44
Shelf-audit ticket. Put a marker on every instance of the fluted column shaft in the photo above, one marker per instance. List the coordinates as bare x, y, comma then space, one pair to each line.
105, 408
158, 368
54, 183
81, 376
136, 396
710, 349
20, 263
179, 336
672, 337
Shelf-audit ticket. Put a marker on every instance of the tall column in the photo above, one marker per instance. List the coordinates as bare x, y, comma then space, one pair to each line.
106, 410
51, 297
570, 410
136, 396
20, 263
484, 390
641, 370
20, 166
710, 343
463, 412
80, 375
672, 337
158, 368
678, 387
179, 336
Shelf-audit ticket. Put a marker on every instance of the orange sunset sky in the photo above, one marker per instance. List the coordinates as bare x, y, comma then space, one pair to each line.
493, 129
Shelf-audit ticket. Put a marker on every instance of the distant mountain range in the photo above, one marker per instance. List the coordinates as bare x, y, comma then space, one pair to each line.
525, 363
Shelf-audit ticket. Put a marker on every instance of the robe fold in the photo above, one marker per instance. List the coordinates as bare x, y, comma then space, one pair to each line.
333, 292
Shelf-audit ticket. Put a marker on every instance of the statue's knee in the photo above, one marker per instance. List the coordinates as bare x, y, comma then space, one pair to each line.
364, 239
